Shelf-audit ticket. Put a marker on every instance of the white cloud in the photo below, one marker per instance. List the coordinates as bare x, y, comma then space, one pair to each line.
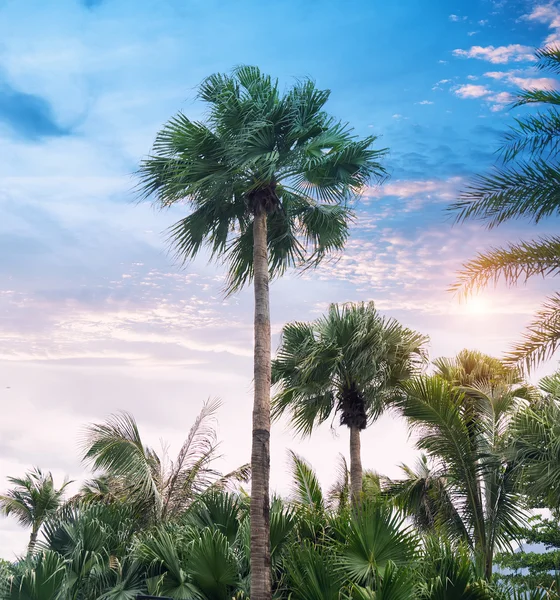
518, 79
483, 22
469, 90
471, 33
500, 100
457, 18
549, 14
424, 102
498, 55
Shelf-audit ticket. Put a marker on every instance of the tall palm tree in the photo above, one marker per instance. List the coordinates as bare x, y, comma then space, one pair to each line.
32, 500
158, 487
524, 186
267, 178
471, 486
348, 362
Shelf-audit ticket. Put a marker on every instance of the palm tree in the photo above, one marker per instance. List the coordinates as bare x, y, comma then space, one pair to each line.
32, 499
268, 178
158, 487
525, 185
470, 489
348, 362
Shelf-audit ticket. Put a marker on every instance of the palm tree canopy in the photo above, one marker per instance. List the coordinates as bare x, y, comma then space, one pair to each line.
348, 361
33, 498
259, 150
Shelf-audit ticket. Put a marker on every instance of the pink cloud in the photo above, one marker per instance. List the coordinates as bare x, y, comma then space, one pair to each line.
426, 187
498, 55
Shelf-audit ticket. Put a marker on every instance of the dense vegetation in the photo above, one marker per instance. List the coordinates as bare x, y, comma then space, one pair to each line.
269, 178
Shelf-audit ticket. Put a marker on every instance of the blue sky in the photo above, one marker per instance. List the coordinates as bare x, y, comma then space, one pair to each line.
95, 315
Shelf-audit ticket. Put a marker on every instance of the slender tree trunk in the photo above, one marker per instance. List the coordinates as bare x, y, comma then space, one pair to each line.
488, 565
32, 541
260, 454
356, 471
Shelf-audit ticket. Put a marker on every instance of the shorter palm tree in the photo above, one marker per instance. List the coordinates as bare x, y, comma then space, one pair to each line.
158, 487
348, 362
32, 500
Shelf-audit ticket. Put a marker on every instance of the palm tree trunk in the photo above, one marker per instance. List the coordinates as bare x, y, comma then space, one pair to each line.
356, 471
32, 541
260, 454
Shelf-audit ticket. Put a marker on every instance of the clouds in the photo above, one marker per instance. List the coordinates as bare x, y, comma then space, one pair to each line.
499, 54
548, 14
524, 79
27, 115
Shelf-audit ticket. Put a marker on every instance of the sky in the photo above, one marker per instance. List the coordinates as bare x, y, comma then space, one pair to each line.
96, 317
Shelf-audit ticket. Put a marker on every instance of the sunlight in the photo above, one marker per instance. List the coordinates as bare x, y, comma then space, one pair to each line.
477, 306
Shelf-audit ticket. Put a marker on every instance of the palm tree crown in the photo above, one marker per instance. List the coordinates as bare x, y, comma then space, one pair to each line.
32, 500
260, 151
348, 362
524, 186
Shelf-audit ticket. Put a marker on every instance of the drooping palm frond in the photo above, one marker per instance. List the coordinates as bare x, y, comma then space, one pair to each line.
541, 338
538, 135
515, 263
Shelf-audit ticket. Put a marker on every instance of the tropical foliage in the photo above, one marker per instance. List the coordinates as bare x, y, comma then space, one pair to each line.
469, 484
524, 186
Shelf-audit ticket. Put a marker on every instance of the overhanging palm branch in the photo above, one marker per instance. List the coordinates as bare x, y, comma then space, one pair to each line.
525, 186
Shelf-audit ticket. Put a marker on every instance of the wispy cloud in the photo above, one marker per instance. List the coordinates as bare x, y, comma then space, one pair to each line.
424, 102
457, 18
499, 54
429, 188
521, 80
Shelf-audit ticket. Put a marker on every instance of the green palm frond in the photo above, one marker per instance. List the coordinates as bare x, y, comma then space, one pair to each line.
44, 578
538, 135
528, 190
306, 489
312, 573
548, 59
541, 338
375, 536
515, 263
259, 149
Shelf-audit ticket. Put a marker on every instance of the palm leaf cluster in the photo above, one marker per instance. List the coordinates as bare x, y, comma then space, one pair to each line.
526, 185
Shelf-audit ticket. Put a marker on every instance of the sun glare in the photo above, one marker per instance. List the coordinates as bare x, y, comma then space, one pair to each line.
476, 306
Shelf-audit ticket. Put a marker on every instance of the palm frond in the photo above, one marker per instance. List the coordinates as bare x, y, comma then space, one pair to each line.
528, 190
515, 263
541, 338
